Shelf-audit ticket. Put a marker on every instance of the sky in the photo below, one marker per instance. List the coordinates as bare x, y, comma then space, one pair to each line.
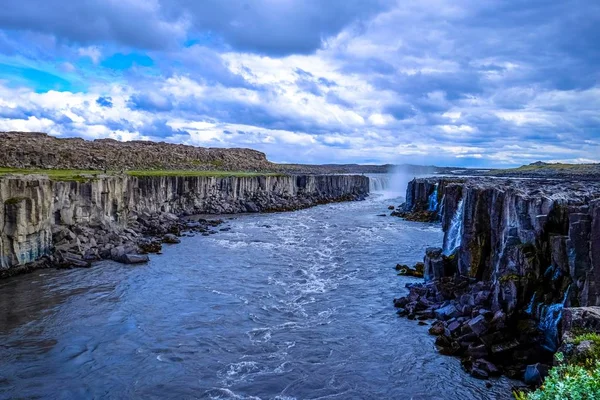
481, 83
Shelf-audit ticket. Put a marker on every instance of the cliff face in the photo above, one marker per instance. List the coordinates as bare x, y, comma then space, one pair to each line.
536, 241
26, 226
515, 254
39, 215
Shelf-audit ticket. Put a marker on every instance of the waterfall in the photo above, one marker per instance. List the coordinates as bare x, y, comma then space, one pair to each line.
550, 316
379, 183
453, 237
433, 199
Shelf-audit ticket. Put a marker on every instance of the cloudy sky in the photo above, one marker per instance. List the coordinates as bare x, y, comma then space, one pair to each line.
447, 82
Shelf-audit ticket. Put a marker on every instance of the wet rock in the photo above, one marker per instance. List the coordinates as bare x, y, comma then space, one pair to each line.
134, 258
477, 351
150, 246
535, 374
437, 328
446, 312
478, 325
170, 238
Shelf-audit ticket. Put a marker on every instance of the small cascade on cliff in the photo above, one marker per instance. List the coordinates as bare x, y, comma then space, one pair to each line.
550, 316
433, 199
379, 183
453, 237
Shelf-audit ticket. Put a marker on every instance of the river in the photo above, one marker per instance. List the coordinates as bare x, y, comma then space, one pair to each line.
282, 306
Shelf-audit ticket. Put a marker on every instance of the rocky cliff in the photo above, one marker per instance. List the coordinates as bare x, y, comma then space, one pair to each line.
108, 216
520, 234
534, 248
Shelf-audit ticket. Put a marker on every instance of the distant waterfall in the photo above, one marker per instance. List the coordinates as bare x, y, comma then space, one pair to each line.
433, 199
379, 183
453, 237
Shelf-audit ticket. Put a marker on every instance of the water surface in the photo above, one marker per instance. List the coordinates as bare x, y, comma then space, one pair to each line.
282, 306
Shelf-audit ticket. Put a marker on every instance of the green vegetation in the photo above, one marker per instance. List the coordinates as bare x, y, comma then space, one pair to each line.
86, 175
577, 379
15, 200
198, 173
568, 382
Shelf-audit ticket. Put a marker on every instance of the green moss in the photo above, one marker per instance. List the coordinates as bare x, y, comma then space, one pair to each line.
14, 200
509, 278
87, 175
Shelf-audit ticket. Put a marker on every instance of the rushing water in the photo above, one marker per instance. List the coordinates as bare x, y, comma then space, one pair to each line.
282, 306
455, 231
433, 199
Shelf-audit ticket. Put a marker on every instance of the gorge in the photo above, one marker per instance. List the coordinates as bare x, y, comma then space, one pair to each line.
514, 271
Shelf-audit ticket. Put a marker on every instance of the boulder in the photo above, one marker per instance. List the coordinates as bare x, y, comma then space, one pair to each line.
447, 312
134, 258
170, 238
478, 325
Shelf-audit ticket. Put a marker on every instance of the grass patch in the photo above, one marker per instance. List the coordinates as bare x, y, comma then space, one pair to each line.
199, 173
55, 174
85, 175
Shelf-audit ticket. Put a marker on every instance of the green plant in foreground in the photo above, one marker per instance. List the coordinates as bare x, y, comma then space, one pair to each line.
568, 382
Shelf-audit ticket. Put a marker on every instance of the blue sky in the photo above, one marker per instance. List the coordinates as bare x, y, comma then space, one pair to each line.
446, 82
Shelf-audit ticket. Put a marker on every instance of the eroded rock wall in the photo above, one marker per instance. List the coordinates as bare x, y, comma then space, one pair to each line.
527, 236
25, 220
36, 210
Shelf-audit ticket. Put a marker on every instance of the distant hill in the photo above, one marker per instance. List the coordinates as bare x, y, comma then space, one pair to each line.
541, 169
30, 150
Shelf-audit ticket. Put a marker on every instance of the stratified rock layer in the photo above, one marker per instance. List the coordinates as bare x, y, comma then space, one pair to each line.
107, 217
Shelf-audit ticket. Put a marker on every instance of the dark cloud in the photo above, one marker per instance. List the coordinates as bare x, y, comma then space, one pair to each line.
136, 24
262, 26
400, 111
150, 102
104, 101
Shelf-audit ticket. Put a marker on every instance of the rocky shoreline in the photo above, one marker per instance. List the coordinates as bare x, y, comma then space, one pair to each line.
516, 254
67, 224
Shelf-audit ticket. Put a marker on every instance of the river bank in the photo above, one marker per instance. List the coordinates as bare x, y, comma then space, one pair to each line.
49, 222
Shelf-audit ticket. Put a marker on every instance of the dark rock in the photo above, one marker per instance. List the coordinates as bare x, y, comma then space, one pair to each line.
505, 347
477, 351
535, 374
170, 238
478, 325
134, 258
437, 328
446, 312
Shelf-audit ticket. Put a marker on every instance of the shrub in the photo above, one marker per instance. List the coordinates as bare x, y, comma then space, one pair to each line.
568, 382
